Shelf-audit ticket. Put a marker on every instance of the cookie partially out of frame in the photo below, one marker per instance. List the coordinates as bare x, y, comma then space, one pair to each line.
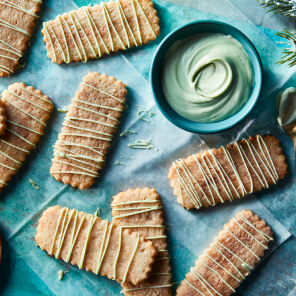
229, 172
2, 118
96, 245
27, 111
89, 32
17, 21
229, 259
88, 130
145, 217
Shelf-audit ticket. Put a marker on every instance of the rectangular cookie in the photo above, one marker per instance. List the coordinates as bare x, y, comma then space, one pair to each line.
142, 213
88, 130
229, 259
17, 22
89, 32
229, 172
27, 111
96, 245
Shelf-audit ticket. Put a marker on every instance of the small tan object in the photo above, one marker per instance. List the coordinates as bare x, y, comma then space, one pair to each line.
229, 259
145, 217
229, 172
88, 130
96, 245
27, 111
2, 118
89, 32
17, 21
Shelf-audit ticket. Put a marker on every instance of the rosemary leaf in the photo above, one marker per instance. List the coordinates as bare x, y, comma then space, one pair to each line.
289, 52
286, 7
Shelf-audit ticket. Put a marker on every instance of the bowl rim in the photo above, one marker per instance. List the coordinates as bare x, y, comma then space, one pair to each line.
220, 126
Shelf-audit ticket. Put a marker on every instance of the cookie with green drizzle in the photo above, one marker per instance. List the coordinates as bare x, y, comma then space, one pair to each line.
17, 21
230, 258
2, 118
140, 210
220, 175
27, 111
96, 245
88, 129
90, 32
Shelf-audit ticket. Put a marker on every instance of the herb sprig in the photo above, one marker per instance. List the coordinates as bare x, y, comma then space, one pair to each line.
289, 53
286, 7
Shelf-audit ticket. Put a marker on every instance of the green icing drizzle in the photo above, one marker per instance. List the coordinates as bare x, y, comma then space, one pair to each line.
142, 144
80, 41
78, 126
95, 121
13, 49
247, 267
85, 129
33, 184
95, 174
123, 155
131, 259
25, 112
143, 288
10, 26
118, 252
98, 212
65, 143
13, 94
94, 30
120, 163
64, 109
103, 92
13, 5
92, 24
61, 275
77, 20
74, 236
92, 222
126, 133
102, 255
137, 22
19, 136
186, 179
145, 112
92, 111
105, 10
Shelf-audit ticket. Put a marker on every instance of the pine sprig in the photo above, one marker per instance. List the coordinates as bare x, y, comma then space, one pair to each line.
289, 53
286, 7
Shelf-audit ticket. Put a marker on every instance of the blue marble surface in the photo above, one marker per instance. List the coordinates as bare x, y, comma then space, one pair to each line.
19, 279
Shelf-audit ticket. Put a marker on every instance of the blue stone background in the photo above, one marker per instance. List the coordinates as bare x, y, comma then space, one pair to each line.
16, 276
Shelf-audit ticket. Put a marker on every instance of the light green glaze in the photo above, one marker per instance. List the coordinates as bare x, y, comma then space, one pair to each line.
207, 77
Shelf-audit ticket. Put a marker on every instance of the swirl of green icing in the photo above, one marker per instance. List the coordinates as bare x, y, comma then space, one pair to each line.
207, 77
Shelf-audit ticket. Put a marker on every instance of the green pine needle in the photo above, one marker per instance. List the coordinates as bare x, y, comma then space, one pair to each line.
286, 7
289, 53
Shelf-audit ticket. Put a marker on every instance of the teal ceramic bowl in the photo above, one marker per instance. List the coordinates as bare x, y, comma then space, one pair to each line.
185, 32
